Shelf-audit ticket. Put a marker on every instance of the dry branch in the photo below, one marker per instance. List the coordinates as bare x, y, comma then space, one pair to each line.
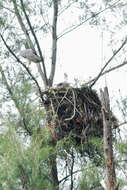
108, 149
107, 63
108, 71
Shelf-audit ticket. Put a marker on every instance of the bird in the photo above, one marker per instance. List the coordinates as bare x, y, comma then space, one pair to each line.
30, 55
65, 77
63, 85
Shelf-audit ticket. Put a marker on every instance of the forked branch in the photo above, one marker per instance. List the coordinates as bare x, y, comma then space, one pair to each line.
108, 71
107, 63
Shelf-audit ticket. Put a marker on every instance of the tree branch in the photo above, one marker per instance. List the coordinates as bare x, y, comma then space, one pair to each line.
125, 122
54, 42
45, 80
29, 41
23, 27
65, 8
4, 80
73, 28
69, 176
72, 167
108, 149
116, 52
107, 71
27, 69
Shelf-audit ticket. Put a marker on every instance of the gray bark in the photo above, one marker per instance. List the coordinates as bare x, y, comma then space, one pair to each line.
108, 149
54, 42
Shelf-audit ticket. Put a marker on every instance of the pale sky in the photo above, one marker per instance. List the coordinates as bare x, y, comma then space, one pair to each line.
81, 54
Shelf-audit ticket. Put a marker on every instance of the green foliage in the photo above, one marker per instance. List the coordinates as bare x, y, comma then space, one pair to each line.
90, 179
122, 183
93, 150
24, 167
122, 147
98, 157
10, 151
2, 21
66, 143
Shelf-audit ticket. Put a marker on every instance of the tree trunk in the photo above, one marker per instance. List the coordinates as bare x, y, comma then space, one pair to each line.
108, 150
54, 172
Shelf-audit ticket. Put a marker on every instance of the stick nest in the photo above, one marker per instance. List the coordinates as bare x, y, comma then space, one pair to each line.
75, 112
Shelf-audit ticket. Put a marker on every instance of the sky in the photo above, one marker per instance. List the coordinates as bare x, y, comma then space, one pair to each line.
82, 54
79, 54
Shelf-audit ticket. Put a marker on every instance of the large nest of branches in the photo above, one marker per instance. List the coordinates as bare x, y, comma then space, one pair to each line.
75, 112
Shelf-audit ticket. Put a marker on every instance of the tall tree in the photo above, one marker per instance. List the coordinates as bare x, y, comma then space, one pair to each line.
36, 164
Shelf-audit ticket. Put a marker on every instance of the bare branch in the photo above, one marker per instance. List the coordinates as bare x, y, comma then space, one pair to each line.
46, 23
69, 175
72, 167
10, 10
54, 42
116, 52
22, 25
74, 27
107, 71
65, 8
122, 124
37, 43
108, 149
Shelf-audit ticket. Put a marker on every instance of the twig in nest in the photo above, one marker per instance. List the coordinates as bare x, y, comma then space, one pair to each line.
84, 133
62, 100
53, 110
73, 104
74, 107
